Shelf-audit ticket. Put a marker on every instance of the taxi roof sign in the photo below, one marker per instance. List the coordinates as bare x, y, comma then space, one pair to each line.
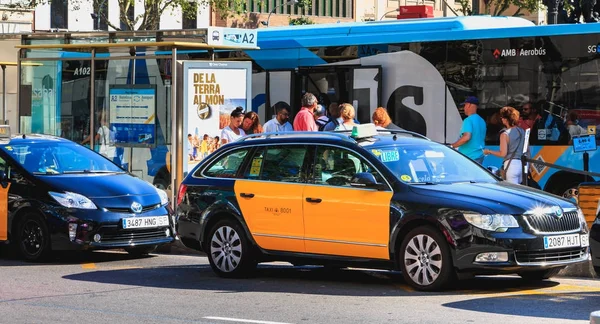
4, 131
364, 131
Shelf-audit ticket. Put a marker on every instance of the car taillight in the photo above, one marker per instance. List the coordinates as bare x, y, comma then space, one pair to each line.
181, 193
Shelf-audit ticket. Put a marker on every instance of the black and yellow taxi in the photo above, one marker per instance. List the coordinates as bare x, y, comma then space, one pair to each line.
58, 195
372, 199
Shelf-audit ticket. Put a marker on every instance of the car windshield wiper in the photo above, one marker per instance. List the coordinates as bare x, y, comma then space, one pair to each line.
91, 171
424, 183
46, 173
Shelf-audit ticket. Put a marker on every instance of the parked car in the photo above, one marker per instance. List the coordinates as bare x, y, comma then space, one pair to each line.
59, 195
376, 199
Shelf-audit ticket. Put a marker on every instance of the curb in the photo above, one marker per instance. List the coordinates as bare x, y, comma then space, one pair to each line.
581, 270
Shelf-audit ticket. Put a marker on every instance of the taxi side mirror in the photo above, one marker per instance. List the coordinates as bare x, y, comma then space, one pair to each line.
365, 180
3, 179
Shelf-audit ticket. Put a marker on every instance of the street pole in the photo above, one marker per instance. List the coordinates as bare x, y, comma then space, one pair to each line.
4, 101
553, 12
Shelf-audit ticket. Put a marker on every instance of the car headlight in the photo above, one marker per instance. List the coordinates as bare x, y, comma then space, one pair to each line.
495, 222
72, 200
164, 198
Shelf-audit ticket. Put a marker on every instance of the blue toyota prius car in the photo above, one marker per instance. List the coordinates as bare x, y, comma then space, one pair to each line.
58, 195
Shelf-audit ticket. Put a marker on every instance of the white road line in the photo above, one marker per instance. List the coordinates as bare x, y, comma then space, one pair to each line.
229, 319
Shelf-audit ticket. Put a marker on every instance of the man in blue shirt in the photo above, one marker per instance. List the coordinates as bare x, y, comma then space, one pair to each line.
472, 133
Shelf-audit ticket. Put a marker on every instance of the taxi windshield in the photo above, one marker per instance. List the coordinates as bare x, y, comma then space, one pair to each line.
57, 158
430, 164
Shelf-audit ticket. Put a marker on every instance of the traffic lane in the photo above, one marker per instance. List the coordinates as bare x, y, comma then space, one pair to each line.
373, 293
184, 289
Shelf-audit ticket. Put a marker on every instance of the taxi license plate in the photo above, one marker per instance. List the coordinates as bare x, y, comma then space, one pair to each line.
565, 241
145, 222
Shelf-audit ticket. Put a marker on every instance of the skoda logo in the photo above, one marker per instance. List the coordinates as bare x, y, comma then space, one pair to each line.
136, 207
558, 213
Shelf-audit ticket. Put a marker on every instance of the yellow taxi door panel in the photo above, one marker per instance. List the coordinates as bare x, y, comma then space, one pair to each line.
347, 221
273, 213
4, 212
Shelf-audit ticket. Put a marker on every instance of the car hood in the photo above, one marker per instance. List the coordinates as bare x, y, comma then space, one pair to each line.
501, 197
100, 185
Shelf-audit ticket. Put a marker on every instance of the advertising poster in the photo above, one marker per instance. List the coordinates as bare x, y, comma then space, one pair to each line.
212, 90
132, 115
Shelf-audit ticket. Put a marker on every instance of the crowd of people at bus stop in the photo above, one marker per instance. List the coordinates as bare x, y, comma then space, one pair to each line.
311, 117
508, 123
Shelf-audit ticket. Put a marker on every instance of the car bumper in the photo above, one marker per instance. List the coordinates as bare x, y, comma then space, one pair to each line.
99, 229
525, 253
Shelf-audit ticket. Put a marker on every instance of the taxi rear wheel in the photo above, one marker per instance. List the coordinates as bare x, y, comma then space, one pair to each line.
33, 238
229, 251
597, 270
425, 259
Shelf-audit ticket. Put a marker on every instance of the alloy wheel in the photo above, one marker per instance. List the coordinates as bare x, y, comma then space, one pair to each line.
32, 237
226, 249
423, 259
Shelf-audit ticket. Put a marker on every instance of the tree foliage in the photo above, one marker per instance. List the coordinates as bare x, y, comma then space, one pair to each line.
150, 19
499, 7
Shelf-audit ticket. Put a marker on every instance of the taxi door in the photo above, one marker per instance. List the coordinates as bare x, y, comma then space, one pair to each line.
4, 186
270, 197
340, 219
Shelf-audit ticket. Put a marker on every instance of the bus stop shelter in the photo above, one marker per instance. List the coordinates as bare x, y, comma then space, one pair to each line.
75, 57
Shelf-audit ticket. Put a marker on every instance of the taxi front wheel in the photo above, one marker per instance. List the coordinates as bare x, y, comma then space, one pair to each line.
229, 252
425, 259
33, 238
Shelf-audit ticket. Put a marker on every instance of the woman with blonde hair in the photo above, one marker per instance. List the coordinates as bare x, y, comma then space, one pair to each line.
382, 120
512, 140
347, 114
251, 123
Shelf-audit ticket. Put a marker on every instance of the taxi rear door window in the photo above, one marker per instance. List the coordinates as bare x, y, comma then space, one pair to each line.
280, 163
226, 166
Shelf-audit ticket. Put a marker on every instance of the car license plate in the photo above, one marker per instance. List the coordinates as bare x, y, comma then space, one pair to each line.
565, 241
145, 222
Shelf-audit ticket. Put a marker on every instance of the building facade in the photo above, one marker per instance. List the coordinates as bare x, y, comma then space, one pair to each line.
82, 15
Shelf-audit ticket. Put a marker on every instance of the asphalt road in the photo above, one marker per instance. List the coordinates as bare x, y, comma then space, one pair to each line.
112, 287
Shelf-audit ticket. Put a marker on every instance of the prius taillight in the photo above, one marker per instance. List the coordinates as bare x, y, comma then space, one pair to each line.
181, 193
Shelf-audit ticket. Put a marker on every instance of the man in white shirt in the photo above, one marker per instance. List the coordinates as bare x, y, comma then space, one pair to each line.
280, 123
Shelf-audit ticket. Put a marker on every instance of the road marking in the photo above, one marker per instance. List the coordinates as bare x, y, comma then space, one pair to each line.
406, 288
229, 319
88, 266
